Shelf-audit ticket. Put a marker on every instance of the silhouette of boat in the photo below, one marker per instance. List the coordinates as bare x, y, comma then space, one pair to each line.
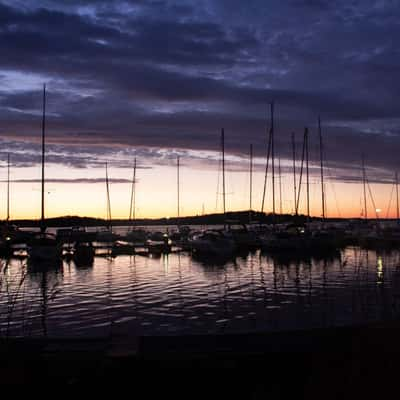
213, 243
43, 246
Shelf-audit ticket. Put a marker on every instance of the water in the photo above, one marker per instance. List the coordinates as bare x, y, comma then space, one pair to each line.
177, 294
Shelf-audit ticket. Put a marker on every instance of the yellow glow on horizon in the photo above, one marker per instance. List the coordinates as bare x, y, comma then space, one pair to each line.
156, 194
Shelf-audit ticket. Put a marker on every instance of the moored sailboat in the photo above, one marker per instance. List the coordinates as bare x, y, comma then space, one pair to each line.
43, 248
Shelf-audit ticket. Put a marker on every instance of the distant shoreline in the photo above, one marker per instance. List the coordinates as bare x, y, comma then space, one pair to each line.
236, 217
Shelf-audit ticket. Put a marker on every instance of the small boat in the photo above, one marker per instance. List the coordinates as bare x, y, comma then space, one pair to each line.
83, 254
106, 236
158, 243
243, 237
213, 243
43, 247
136, 236
121, 247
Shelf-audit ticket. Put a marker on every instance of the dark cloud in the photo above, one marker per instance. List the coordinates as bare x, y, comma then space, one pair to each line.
170, 74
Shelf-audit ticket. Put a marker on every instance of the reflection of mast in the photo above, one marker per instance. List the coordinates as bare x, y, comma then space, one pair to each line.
44, 289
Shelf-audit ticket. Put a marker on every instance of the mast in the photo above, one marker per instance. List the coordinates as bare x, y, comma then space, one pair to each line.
108, 200
280, 185
307, 176
294, 172
273, 161
132, 209
322, 168
223, 173
266, 170
251, 182
177, 181
42, 221
8, 187
301, 170
397, 198
364, 187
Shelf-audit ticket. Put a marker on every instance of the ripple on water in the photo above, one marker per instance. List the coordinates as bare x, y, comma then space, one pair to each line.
176, 294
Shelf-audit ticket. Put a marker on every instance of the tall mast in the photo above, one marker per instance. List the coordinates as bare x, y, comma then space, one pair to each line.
280, 185
307, 177
273, 161
322, 169
301, 170
223, 173
8, 187
108, 199
364, 187
294, 173
397, 198
251, 182
177, 181
266, 169
132, 209
42, 222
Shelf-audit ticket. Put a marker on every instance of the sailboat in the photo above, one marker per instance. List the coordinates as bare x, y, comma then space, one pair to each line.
134, 235
180, 236
43, 248
215, 243
107, 235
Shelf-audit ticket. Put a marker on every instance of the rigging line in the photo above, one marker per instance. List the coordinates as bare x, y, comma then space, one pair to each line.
329, 173
266, 170
301, 173
217, 193
390, 201
372, 199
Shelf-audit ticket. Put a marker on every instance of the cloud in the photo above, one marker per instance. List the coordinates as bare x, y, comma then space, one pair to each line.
168, 75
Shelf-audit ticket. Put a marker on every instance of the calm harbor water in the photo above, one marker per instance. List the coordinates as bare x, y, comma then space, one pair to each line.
178, 294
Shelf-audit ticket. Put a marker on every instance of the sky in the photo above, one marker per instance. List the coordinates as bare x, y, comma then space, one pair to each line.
156, 79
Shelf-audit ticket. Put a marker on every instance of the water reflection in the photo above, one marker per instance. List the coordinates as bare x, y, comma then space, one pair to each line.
178, 293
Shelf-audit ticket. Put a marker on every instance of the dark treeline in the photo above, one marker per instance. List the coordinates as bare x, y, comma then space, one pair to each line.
238, 217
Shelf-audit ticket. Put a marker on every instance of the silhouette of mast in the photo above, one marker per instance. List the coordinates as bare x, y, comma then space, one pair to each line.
294, 173
397, 198
273, 162
266, 168
132, 209
307, 176
364, 187
301, 170
42, 218
8, 187
322, 168
223, 173
177, 181
108, 199
251, 182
